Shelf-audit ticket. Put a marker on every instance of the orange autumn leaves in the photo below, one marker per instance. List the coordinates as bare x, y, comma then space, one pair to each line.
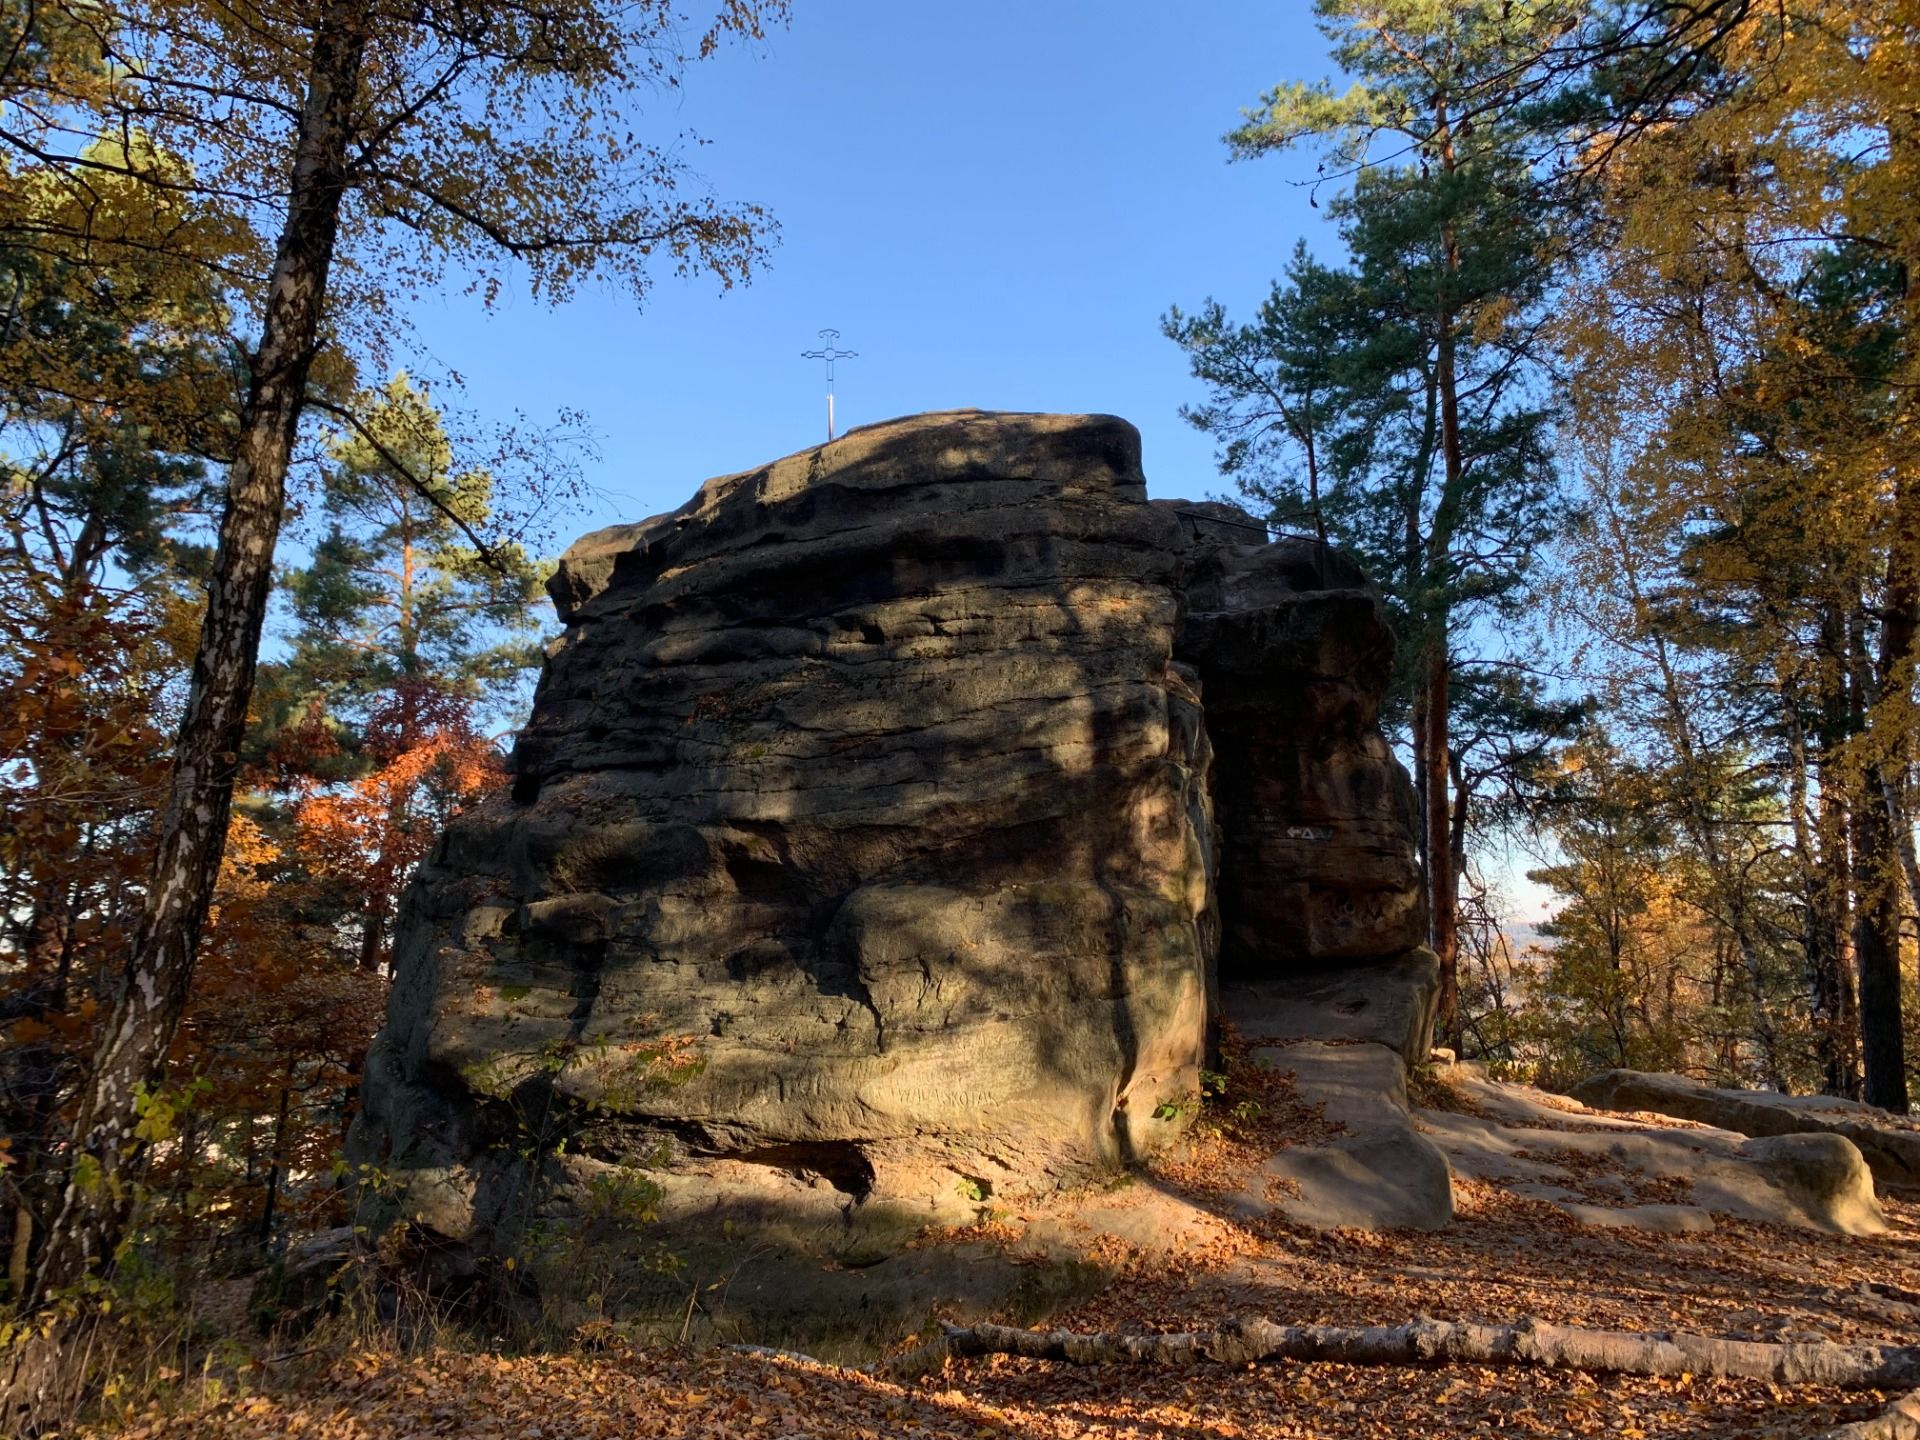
367, 834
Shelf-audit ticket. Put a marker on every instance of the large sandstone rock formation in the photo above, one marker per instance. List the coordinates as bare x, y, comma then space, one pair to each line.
886, 817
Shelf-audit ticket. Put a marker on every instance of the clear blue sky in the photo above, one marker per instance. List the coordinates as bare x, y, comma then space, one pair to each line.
994, 202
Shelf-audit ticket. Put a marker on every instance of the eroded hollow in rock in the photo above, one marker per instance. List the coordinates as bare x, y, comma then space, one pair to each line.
886, 822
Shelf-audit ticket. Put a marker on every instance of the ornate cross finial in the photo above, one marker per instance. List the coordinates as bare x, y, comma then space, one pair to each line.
829, 352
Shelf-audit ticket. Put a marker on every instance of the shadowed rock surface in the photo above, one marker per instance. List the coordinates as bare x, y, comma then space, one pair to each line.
886, 819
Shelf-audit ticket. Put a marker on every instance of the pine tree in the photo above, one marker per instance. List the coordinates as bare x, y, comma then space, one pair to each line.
1405, 386
407, 641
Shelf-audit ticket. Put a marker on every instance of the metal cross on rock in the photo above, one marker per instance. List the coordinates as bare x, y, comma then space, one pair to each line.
830, 352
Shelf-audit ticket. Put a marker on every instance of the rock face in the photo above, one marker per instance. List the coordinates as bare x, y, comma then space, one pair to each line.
884, 821
1889, 1143
1289, 642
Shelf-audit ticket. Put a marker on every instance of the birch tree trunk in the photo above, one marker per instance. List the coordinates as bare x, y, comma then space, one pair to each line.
102, 1185
1532, 1342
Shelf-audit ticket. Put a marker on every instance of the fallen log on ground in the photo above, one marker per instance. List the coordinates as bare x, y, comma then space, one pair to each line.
1442, 1342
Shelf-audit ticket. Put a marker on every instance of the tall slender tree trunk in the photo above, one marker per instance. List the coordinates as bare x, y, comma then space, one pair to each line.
1882, 1032
102, 1186
1891, 718
276, 1162
1443, 873
1877, 942
1830, 954
1443, 879
1443, 869
1890, 715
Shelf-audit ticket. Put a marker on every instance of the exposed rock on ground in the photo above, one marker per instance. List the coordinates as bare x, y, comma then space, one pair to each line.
886, 822
1609, 1171
1346, 1037
1380, 1173
1889, 1143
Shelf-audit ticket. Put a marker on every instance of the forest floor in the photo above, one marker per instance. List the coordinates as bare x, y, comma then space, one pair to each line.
1507, 1256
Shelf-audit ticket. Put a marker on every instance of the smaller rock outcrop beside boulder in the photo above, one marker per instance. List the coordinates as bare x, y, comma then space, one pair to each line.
1641, 1173
1890, 1145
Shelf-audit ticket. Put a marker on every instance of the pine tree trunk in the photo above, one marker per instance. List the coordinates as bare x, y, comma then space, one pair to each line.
1443, 871
1877, 943
1828, 866
103, 1182
1443, 876
1882, 1031
1443, 895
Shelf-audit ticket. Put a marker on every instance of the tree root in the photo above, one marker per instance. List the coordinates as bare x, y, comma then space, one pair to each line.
1899, 1421
1435, 1342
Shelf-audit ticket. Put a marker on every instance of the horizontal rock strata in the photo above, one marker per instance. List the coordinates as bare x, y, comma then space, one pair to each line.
862, 857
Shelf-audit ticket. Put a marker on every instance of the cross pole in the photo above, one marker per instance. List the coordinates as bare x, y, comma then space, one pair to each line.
829, 352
